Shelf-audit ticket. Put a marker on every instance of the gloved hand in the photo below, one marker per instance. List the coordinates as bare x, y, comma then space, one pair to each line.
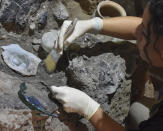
76, 101
93, 25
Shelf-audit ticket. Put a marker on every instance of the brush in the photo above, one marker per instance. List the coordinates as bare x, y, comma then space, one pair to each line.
54, 55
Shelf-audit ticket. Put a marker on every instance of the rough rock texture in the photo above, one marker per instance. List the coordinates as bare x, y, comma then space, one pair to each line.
15, 120
20, 60
120, 103
17, 11
100, 76
67, 123
87, 40
39, 17
9, 87
59, 10
92, 47
99, 73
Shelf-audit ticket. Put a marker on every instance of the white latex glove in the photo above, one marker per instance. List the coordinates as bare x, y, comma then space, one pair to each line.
93, 25
76, 101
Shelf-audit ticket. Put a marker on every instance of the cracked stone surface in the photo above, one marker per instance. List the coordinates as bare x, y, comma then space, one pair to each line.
99, 77
15, 120
101, 72
9, 93
17, 11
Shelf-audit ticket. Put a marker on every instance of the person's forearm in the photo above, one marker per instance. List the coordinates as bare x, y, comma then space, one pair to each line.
121, 27
102, 122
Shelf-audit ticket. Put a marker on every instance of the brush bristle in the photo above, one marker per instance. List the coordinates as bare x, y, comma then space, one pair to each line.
50, 63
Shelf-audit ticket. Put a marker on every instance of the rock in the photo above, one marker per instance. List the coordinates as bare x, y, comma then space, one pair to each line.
32, 26
16, 12
36, 41
99, 76
20, 60
67, 122
149, 91
40, 16
42, 20
9, 99
48, 40
116, 46
59, 10
87, 40
15, 120
36, 47
55, 125
120, 103
102, 72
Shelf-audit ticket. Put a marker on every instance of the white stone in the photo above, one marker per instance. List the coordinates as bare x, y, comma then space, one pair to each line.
48, 40
32, 26
20, 60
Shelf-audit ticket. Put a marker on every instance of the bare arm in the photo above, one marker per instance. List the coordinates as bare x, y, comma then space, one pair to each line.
102, 122
121, 27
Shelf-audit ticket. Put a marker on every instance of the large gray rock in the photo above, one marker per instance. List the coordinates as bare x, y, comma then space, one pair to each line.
104, 72
17, 11
99, 76
9, 87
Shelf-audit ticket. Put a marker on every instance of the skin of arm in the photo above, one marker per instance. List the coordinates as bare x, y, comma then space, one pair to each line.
102, 122
121, 27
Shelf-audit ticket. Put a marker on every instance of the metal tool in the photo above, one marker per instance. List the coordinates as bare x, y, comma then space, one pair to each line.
33, 103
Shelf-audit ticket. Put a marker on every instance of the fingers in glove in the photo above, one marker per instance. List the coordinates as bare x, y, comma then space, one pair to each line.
72, 37
59, 93
64, 28
68, 109
78, 31
55, 89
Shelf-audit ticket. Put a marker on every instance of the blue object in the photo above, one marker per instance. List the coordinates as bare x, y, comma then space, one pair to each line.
33, 103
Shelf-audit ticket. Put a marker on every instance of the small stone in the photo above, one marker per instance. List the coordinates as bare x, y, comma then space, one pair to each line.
149, 90
42, 20
32, 26
48, 40
36, 41
59, 10
36, 47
